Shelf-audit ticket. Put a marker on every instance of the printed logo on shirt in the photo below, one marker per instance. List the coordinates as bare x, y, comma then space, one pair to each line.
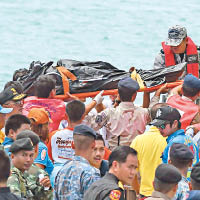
115, 195
43, 154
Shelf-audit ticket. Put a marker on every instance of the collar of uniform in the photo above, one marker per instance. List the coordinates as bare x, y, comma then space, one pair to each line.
176, 133
17, 171
160, 195
4, 189
112, 176
81, 159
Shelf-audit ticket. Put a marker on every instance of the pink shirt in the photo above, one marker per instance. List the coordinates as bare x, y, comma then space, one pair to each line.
126, 121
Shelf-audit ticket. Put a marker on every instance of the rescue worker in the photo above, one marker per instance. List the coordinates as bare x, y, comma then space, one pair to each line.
10, 98
39, 124
98, 155
22, 155
165, 183
178, 48
126, 121
44, 89
26, 177
76, 176
149, 147
123, 166
61, 144
190, 90
167, 120
14, 125
5, 193
181, 157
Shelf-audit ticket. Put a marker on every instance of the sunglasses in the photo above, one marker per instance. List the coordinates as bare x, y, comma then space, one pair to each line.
163, 126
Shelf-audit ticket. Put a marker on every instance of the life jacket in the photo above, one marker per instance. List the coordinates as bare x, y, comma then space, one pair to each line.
191, 57
187, 109
55, 108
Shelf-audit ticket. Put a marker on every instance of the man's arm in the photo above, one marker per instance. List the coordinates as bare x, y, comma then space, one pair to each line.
159, 61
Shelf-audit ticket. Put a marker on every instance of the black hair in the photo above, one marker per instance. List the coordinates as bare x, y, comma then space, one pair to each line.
120, 154
99, 137
162, 187
124, 95
44, 85
180, 164
189, 92
15, 121
4, 166
75, 110
179, 124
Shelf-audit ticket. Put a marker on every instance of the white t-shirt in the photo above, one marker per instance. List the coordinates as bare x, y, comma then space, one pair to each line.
62, 145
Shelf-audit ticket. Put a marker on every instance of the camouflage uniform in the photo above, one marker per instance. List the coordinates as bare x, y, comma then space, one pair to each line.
18, 184
26, 185
34, 185
74, 179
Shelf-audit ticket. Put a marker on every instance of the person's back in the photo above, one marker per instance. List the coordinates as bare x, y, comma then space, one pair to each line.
181, 157
44, 89
61, 143
190, 91
126, 121
165, 182
77, 175
150, 147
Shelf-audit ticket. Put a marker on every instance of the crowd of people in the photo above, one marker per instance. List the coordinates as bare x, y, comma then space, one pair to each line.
107, 148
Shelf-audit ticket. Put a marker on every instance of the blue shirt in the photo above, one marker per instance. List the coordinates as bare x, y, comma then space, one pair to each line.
43, 158
7, 144
193, 195
180, 137
74, 179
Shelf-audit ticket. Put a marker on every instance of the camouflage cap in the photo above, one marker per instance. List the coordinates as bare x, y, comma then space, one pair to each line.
176, 34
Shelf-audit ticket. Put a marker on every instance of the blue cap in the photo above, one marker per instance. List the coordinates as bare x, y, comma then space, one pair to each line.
191, 81
128, 84
84, 130
5, 110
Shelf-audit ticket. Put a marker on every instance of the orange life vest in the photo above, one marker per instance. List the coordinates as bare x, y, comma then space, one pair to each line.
55, 108
191, 57
188, 109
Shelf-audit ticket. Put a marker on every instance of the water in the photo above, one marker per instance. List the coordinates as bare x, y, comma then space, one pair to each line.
123, 32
